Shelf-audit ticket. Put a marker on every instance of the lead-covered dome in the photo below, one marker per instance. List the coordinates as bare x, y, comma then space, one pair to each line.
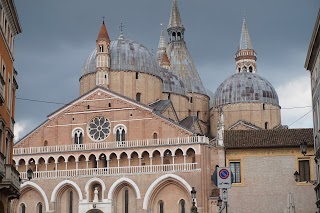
171, 83
245, 87
125, 55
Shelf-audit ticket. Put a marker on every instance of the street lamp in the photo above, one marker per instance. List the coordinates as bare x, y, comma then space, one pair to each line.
303, 147
29, 174
219, 202
193, 196
296, 176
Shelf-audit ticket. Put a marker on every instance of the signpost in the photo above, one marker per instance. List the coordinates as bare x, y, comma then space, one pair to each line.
223, 177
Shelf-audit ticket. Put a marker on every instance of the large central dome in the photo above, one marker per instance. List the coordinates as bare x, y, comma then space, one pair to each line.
125, 55
245, 87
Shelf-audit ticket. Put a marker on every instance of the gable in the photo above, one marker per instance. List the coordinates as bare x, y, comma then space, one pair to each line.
139, 121
243, 125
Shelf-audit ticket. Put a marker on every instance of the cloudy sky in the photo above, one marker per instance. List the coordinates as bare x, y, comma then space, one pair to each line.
58, 36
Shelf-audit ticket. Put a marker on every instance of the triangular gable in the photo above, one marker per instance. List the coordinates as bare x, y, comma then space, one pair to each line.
89, 97
243, 125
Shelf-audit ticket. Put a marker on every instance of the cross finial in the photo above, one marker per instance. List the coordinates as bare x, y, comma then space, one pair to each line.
103, 19
121, 26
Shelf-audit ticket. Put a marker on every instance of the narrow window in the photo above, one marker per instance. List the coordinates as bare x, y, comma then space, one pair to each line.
191, 100
250, 69
126, 201
266, 125
78, 136
23, 208
39, 206
169, 96
264, 106
236, 172
138, 97
7, 150
101, 48
88, 107
182, 206
161, 207
304, 170
45, 143
70, 201
155, 135
198, 114
137, 75
109, 104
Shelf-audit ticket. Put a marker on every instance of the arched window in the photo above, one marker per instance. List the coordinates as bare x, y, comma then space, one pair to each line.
173, 36
126, 201
78, 136
161, 207
182, 206
155, 135
39, 208
70, 201
263, 106
250, 69
45, 143
137, 75
120, 132
138, 97
266, 125
23, 208
178, 36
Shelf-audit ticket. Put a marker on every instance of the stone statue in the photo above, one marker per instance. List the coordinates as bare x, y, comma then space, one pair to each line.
96, 197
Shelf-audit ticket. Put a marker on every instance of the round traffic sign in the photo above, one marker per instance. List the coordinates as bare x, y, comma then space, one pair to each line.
224, 174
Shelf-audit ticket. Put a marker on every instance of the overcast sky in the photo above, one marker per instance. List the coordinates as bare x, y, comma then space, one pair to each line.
58, 36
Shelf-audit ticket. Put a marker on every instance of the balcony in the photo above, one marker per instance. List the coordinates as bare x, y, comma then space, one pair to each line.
111, 145
114, 171
10, 185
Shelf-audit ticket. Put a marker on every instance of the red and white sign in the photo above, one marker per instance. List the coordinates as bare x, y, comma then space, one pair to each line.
224, 177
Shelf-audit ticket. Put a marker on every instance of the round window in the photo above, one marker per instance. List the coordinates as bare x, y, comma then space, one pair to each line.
99, 128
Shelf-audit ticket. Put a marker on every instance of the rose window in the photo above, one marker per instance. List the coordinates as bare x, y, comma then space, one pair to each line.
99, 128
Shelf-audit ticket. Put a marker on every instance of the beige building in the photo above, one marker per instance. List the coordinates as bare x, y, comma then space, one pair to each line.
141, 134
9, 176
313, 65
264, 163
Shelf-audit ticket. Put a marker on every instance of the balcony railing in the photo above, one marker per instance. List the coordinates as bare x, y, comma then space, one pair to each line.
11, 177
111, 145
113, 171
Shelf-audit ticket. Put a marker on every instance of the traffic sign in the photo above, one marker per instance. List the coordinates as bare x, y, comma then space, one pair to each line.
224, 177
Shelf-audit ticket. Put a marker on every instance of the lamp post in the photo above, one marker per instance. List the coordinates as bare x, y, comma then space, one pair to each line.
193, 209
303, 147
296, 176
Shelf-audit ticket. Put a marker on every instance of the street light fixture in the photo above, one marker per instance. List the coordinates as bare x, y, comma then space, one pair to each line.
193, 209
296, 176
29, 174
303, 147
219, 202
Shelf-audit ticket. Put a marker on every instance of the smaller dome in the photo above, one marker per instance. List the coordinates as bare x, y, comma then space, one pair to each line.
171, 83
125, 55
245, 87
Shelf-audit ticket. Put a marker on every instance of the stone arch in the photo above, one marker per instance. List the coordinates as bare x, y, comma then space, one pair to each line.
94, 211
160, 180
61, 184
92, 180
35, 186
126, 180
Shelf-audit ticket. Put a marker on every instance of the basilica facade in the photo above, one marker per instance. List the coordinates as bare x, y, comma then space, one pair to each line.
143, 131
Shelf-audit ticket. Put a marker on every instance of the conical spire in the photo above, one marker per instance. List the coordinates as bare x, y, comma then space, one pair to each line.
161, 46
175, 20
103, 34
245, 42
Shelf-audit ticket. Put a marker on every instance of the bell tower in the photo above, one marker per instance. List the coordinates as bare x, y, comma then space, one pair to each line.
175, 27
103, 57
246, 57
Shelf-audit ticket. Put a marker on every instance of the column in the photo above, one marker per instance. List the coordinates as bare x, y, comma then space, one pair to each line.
108, 169
36, 167
173, 157
67, 175
151, 163
27, 167
77, 163
184, 161
56, 163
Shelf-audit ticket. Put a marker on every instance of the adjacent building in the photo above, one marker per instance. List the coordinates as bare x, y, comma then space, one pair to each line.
312, 64
9, 176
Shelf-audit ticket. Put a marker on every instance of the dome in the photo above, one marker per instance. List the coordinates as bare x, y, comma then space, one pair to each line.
125, 55
245, 87
171, 83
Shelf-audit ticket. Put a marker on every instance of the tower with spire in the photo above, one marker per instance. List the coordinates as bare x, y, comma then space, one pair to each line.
162, 46
246, 56
103, 57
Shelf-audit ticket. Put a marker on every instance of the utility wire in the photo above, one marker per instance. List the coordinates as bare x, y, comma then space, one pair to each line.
300, 118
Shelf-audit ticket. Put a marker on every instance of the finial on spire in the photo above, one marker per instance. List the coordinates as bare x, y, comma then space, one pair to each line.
121, 29
103, 19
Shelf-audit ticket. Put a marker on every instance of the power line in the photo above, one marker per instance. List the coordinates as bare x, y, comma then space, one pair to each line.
241, 110
300, 118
